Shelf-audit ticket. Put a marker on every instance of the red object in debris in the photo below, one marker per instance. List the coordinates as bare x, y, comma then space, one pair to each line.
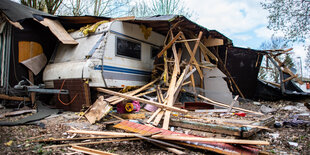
308, 85
240, 114
128, 107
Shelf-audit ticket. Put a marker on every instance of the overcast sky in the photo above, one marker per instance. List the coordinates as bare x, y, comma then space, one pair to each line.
243, 21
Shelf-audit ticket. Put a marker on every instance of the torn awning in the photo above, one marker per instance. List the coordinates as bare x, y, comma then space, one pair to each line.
16, 14
58, 30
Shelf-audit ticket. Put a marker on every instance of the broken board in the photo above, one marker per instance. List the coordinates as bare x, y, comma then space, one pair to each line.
221, 148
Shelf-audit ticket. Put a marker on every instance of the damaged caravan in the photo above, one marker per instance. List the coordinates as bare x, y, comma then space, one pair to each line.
117, 54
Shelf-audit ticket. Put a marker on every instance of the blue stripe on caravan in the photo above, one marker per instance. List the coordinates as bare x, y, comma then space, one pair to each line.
122, 70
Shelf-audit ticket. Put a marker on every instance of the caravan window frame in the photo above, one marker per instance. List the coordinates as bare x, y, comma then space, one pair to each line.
125, 56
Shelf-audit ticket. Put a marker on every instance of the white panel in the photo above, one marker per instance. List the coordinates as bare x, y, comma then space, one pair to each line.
216, 87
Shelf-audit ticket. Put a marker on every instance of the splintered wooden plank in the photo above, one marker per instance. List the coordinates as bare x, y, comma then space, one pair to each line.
176, 87
153, 115
170, 99
90, 151
142, 100
192, 57
136, 91
14, 98
211, 146
158, 118
213, 42
196, 46
192, 80
99, 109
92, 143
161, 100
58, 30
176, 58
169, 44
180, 83
170, 149
227, 106
204, 49
216, 140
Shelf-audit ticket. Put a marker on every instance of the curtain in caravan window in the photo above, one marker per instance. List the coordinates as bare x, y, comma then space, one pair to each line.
128, 48
5, 49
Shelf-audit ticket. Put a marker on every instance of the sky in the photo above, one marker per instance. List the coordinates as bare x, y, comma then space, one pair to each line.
243, 21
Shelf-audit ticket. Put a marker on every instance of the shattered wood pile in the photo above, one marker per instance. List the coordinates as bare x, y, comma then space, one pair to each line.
169, 77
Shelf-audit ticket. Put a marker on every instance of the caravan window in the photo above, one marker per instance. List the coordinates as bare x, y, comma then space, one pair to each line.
128, 48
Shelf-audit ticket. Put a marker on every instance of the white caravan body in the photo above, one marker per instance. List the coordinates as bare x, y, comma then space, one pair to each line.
109, 57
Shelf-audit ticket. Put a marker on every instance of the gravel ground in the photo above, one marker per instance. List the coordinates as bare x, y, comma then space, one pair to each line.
287, 139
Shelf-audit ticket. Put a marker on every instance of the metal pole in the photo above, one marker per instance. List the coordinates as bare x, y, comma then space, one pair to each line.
300, 61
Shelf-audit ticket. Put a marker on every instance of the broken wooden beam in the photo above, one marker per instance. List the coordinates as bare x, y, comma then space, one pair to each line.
136, 91
142, 100
170, 149
222, 148
169, 44
208, 127
98, 110
102, 133
107, 133
90, 151
14, 98
75, 139
92, 143
227, 106
160, 142
215, 140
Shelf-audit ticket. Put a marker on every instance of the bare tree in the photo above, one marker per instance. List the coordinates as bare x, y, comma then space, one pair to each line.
36, 4
111, 8
50, 6
289, 16
161, 7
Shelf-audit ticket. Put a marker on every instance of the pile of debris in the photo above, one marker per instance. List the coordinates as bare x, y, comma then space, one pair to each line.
166, 89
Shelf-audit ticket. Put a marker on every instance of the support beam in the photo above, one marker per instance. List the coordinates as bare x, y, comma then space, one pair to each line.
169, 44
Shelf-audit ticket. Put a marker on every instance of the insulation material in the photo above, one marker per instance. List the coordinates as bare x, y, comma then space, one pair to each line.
31, 55
92, 28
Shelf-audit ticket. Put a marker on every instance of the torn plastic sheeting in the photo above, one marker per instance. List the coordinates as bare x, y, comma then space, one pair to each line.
43, 112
